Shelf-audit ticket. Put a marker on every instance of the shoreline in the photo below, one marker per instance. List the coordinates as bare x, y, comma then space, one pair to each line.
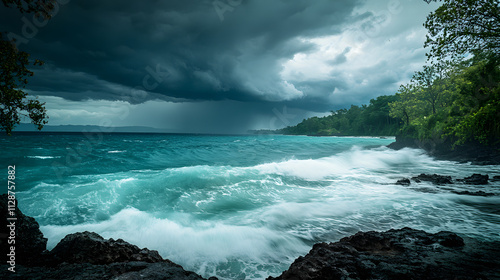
474, 153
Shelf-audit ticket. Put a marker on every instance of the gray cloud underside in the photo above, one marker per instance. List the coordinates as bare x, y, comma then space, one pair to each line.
203, 57
190, 52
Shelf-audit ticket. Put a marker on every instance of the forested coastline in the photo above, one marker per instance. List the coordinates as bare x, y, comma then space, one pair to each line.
373, 119
453, 100
456, 102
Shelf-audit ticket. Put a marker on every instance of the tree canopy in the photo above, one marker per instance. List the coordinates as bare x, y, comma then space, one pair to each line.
366, 120
13, 78
14, 73
456, 98
459, 27
39, 7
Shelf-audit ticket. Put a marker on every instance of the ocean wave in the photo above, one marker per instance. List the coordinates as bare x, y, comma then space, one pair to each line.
200, 245
43, 157
356, 161
225, 220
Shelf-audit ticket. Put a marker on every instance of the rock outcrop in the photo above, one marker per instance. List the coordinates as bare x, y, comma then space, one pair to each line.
434, 178
29, 240
403, 182
398, 254
83, 255
90, 247
478, 193
444, 149
475, 179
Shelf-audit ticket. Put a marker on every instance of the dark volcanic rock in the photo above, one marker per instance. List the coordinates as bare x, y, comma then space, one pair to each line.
29, 240
90, 247
398, 254
476, 179
116, 271
473, 152
403, 182
434, 178
479, 193
80, 256
89, 256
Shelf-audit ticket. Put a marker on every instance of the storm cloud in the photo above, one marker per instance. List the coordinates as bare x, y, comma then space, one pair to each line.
308, 56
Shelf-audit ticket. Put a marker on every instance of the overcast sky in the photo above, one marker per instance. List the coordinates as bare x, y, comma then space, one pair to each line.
221, 66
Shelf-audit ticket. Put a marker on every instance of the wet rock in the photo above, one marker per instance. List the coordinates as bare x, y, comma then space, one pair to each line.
116, 271
434, 179
476, 179
397, 254
83, 255
445, 149
29, 240
478, 193
90, 247
403, 182
496, 178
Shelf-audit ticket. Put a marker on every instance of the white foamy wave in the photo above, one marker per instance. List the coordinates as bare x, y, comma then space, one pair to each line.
353, 162
43, 157
196, 246
115, 152
356, 162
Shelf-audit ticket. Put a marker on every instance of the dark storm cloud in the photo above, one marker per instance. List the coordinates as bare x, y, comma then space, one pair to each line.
102, 49
217, 65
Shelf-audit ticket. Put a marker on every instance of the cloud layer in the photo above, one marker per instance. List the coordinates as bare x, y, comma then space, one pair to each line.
310, 56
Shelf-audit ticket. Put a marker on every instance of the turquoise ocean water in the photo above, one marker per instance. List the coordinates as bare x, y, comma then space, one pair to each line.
237, 207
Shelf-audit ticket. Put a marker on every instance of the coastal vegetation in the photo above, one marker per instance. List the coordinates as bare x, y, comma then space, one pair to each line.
454, 98
366, 120
15, 70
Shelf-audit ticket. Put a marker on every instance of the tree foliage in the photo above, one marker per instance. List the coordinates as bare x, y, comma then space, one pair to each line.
467, 108
453, 99
41, 8
13, 78
459, 27
366, 120
14, 101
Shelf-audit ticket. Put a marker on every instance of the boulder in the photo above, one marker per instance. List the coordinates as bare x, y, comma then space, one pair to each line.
115, 271
403, 182
29, 240
84, 255
434, 179
478, 193
397, 254
90, 247
476, 179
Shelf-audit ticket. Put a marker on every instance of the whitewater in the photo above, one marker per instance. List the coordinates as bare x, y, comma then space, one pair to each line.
238, 207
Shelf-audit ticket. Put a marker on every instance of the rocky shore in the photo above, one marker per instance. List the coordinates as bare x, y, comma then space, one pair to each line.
398, 254
443, 149
395, 254
84, 255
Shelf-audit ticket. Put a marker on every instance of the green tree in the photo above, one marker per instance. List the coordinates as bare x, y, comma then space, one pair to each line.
459, 27
41, 8
368, 120
13, 78
408, 107
432, 81
476, 107
14, 102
